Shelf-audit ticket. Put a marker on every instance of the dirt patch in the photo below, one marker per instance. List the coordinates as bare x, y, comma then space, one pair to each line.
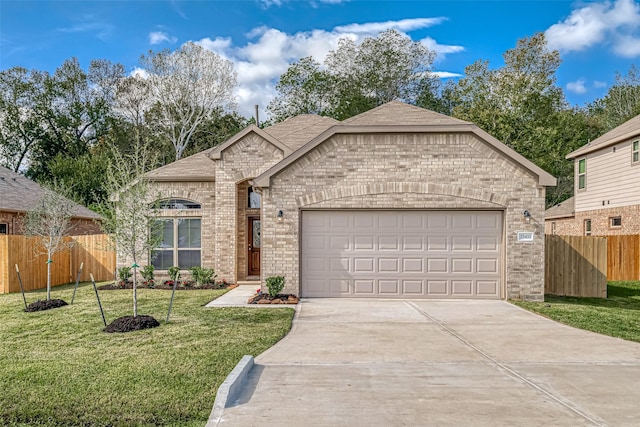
279, 299
130, 323
45, 305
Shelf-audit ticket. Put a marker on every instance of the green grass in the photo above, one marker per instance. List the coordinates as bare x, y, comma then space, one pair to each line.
57, 367
618, 315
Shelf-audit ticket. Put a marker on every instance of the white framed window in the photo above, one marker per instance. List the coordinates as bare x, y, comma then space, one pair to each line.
615, 221
587, 227
180, 244
635, 152
582, 174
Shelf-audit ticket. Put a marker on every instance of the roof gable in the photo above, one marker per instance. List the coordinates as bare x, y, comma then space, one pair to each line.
216, 152
564, 209
423, 121
627, 130
20, 194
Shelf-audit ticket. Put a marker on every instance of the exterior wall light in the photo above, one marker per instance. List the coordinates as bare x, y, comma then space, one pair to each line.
527, 216
279, 215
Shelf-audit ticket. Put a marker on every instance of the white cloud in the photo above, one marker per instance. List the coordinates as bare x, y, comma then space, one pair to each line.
102, 30
599, 85
314, 3
445, 74
157, 37
402, 25
260, 62
614, 23
577, 87
139, 72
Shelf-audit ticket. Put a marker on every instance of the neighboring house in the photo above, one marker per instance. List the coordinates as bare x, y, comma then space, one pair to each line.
19, 194
397, 202
607, 187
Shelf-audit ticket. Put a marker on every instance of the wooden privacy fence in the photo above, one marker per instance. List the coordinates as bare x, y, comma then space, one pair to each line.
623, 257
576, 266
92, 250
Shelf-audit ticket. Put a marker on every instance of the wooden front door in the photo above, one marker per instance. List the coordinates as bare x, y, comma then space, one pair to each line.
254, 246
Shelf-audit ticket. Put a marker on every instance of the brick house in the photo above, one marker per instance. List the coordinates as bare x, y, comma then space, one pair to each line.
19, 195
397, 202
607, 187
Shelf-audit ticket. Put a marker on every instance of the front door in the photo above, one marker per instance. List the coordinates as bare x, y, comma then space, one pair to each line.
254, 246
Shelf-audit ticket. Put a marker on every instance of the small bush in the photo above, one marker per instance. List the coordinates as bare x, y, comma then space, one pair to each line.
173, 273
275, 284
202, 275
147, 272
124, 273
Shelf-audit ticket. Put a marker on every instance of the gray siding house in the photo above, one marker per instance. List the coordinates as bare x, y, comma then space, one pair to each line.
607, 187
397, 202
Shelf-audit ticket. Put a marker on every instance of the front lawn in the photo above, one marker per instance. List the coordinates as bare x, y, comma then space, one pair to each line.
616, 316
58, 368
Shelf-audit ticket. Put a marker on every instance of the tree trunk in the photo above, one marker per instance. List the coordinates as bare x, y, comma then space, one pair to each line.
49, 277
135, 291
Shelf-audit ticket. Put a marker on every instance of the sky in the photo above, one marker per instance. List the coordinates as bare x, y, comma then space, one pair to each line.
262, 38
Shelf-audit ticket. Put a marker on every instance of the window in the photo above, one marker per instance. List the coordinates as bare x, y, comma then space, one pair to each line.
587, 227
553, 228
3, 228
582, 174
615, 221
178, 204
180, 243
635, 152
253, 198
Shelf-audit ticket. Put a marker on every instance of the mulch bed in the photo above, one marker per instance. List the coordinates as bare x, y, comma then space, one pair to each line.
45, 305
279, 299
130, 323
181, 287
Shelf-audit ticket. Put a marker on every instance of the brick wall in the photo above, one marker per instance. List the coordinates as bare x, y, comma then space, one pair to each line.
79, 226
425, 171
600, 222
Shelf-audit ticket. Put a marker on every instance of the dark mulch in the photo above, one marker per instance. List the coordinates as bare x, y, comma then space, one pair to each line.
130, 323
264, 298
45, 305
180, 287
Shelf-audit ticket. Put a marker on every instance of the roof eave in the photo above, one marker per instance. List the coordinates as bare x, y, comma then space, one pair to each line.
586, 149
216, 153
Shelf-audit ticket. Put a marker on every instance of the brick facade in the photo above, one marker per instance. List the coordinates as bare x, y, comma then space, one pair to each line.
600, 222
401, 171
79, 226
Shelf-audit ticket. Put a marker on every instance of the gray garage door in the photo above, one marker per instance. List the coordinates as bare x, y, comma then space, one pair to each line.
401, 254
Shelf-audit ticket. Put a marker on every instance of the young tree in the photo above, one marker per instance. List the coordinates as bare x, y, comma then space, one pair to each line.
130, 215
49, 222
187, 85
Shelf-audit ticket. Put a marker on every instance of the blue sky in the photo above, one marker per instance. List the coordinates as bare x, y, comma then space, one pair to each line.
262, 37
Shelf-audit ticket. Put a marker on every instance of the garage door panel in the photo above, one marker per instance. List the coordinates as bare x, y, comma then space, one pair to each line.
400, 254
389, 287
363, 287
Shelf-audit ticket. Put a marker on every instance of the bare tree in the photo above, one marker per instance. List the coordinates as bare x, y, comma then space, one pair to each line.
131, 217
187, 86
49, 222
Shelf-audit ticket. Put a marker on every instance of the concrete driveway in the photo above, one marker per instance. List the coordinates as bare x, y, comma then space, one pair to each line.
436, 363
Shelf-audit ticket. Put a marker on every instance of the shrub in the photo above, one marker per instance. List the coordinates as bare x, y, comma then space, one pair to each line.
147, 272
275, 284
173, 273
202, 275
124, 273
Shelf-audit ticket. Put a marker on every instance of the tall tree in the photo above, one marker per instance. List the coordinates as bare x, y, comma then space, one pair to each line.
521, 105
187, 85
355, 78
622, 101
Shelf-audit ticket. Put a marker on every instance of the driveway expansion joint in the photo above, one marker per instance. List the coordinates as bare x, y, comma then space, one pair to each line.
508, 369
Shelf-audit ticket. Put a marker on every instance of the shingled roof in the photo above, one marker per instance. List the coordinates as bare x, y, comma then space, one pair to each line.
298, 130
20, 194
564, 209
627, 130
399, 113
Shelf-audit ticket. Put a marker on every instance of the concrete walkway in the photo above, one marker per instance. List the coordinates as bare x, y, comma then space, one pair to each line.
438, 363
